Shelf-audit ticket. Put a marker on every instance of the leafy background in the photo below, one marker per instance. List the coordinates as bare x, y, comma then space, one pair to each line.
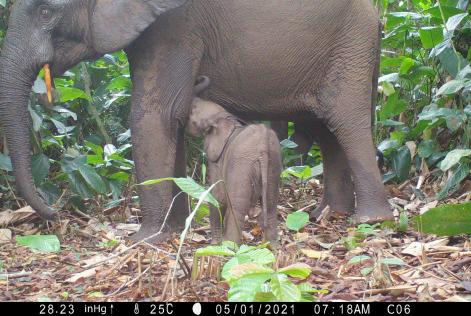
82, 149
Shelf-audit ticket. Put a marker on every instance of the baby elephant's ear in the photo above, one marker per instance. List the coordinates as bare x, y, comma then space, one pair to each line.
215, 141
117, 23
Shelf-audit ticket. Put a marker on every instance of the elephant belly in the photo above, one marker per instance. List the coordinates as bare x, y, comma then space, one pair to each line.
277, 53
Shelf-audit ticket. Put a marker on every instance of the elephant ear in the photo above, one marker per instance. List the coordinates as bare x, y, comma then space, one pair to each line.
217, 137
117, 23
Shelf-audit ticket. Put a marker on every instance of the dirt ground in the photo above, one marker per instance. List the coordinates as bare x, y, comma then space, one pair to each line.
97, 263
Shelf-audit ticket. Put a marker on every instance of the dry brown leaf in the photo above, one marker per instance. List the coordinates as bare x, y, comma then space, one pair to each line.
82, 275
314, 254
10, 217
5, 235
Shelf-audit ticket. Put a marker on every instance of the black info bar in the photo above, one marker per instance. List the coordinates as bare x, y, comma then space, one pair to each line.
223, 309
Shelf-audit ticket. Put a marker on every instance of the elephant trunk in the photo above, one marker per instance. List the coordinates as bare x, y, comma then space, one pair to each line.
16, 78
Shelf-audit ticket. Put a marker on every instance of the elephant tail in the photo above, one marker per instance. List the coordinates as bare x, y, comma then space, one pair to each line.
270, 167
264, 165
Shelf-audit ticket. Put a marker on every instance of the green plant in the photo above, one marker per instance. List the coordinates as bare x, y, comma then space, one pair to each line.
358, 234
389, 261
251, 277
41, 243
297, 220
426, 88
445, 220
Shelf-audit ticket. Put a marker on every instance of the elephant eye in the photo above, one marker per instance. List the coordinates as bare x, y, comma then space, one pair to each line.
45, 13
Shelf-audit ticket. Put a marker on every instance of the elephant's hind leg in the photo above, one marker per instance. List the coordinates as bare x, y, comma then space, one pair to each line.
338, 184
349, 120
337, 179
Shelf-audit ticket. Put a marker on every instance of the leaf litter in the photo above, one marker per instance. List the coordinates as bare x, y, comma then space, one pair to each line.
97, 263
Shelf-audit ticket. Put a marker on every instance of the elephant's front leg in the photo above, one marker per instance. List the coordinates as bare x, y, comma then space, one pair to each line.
162, 95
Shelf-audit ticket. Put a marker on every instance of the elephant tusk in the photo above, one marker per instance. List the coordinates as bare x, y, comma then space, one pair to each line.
48, 79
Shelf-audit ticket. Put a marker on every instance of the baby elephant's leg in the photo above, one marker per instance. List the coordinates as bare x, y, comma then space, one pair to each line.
239, 194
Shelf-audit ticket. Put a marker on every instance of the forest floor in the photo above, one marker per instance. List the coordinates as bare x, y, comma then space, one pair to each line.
96, 263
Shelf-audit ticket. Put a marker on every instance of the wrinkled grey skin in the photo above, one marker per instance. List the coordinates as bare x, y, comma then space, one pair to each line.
312, 61
247, 159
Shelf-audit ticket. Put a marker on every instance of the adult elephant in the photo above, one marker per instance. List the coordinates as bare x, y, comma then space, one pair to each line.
311, 61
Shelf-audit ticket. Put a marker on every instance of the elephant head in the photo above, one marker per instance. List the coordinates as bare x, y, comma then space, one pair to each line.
212, 121
59, 33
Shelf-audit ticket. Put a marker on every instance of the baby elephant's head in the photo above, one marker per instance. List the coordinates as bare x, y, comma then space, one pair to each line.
204, 116
210, 120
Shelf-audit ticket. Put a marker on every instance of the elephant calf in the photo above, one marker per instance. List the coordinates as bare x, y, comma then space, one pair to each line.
247, 158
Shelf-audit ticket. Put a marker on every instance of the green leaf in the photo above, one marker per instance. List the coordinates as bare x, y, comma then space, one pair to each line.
451, 87
36, 118
388, 88
79, 185
214, 251
403, 222
189, 186
264, 297
93, 178
3, 3
245, 289
297, 270
40, 168
427, 148
431, 36
259, 255
308, 288
454, 21
359, 259
392, 261
406, 65
119, 83
284, 289
453, 158
452, 61
250, 268
41, 243
97, 149
5, 163
366, 270
288, 144
70, 94
297, 220
394, 106
300, 172
458, 175
401, 163
193, 189
445, 220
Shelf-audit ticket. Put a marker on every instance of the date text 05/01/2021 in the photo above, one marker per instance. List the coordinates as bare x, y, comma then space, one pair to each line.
222, 309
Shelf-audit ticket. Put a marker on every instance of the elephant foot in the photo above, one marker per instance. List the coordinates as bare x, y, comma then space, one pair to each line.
373, 216
216, 240
150, 235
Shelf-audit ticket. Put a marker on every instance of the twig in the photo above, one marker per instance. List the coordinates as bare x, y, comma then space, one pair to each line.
458, 264
11, 190
139, 242
79, 212
129, 283
181, 260
306, 207
139, 270
15, 275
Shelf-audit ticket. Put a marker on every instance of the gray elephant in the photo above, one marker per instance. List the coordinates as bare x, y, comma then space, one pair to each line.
247, 159
315, 62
